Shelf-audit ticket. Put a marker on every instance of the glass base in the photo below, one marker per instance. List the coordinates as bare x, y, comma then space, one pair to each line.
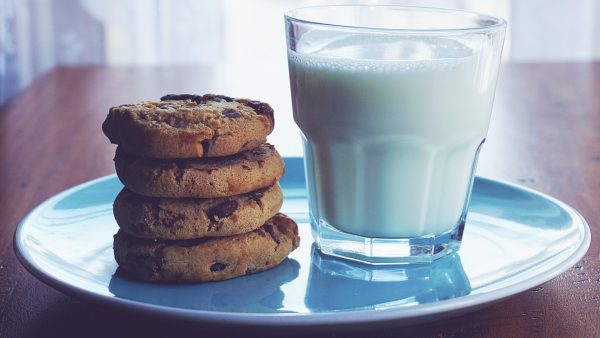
425, 249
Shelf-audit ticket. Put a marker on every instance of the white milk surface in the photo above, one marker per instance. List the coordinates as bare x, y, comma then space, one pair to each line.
391, 128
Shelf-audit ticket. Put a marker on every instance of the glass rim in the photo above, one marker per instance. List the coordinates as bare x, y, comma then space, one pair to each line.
495, 22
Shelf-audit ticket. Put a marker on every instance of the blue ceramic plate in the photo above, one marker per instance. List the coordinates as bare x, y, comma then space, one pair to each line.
515, 239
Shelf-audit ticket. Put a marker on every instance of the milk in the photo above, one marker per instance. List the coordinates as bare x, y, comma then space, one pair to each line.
391, 129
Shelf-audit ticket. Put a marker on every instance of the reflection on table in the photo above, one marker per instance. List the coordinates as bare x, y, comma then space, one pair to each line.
336, 284
259, 293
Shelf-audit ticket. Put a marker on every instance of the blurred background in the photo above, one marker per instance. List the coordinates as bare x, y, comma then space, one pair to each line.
242, 40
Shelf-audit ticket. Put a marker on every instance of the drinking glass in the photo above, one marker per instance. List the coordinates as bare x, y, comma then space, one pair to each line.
394, 104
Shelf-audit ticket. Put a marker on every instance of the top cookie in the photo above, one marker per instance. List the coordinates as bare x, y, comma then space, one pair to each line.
188, 126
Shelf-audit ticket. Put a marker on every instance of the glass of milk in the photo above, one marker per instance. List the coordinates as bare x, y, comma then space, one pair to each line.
394, 105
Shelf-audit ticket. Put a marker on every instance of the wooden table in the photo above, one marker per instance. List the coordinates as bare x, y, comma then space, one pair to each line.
545, 135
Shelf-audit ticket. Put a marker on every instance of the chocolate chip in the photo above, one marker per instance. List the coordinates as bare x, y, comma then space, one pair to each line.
218, 267
169, 218
216, 98
261, 232
196, 98
246, 167
259, 152
260, 108
182, 97
272, 232
231, 113
222, 210
205, 146
257, 194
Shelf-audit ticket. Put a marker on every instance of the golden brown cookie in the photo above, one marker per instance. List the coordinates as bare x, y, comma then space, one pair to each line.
189, 126
187, 218
208, 259
201, 178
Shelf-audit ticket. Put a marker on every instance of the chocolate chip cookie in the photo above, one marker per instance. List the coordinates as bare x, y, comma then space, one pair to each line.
208, 259
201, 178
189, 126
187, 218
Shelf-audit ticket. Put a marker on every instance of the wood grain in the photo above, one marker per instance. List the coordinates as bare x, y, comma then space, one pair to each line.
545, 134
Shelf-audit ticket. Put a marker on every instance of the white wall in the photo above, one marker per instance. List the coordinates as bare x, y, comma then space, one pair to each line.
36, 35
555, 30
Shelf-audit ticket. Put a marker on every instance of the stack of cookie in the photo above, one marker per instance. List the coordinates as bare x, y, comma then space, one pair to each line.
201, 197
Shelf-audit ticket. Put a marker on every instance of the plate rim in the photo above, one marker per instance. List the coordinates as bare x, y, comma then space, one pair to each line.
399, 315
